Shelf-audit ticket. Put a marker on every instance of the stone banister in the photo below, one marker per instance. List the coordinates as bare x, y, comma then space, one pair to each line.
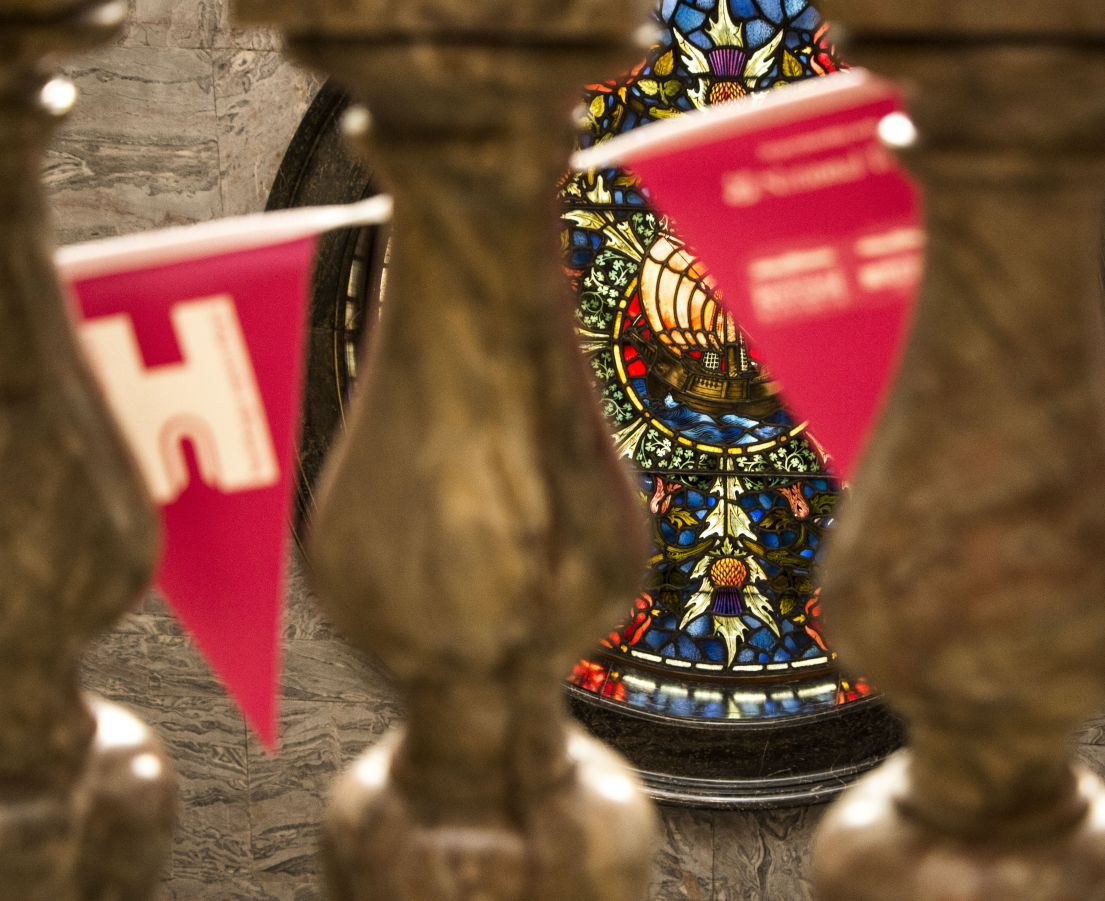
968, 569
474, 529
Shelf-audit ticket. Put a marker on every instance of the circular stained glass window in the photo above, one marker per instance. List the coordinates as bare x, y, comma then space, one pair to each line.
720, 683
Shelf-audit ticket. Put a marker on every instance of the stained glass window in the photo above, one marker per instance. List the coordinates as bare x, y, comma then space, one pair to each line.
727, 632
729, 623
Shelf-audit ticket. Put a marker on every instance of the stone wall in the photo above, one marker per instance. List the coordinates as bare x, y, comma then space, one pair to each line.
184, 119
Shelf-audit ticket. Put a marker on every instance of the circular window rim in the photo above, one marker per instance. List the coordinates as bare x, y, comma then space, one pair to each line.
682, 760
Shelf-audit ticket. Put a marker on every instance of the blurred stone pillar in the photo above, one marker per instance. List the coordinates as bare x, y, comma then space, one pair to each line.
474, 529
967, 574
86, 794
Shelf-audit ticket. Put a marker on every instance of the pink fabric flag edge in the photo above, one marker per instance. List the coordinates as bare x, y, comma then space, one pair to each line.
146, 283
685, 162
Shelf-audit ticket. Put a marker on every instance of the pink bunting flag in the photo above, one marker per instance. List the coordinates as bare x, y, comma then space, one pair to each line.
811, 232
196, 337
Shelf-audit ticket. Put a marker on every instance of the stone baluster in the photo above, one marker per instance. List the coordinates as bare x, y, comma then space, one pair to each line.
86, 794
474, 528
967, 575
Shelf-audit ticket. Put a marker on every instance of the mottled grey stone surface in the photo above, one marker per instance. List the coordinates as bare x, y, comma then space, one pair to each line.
254, 90
183, 120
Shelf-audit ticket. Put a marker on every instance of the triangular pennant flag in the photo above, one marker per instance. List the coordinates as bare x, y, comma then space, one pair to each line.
196, 336
808, 227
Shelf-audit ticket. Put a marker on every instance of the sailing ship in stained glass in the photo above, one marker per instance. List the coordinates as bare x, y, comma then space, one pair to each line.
737, 490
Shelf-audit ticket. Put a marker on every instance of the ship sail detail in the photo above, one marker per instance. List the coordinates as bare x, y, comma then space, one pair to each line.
679, 302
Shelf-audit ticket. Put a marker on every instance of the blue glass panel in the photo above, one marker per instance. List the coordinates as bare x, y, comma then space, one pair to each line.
760, 31
772, 9
687, 18
808, 21
700, 627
